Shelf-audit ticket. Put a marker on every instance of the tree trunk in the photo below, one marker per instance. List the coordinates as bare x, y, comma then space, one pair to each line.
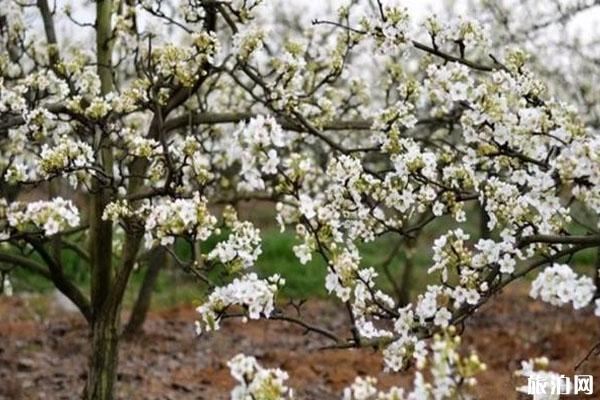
407, 272
597, 277
484, 231
102, 369
157, 260
105, 298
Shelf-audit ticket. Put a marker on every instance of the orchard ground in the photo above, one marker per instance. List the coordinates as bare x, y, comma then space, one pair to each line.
43, 350
43, 345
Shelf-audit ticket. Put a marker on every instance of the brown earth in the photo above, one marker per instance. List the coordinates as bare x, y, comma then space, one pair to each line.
43, 351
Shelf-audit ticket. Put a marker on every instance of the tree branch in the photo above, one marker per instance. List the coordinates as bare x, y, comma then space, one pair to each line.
61, 282
48, 21
26, 263
559, 239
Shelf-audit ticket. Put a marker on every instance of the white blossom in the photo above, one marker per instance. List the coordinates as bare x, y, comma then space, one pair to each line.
257, 295
50, 217
256, 382
171, 218
243, 245
559, 285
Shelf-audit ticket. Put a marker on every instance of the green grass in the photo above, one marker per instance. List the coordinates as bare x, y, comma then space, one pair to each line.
302, 281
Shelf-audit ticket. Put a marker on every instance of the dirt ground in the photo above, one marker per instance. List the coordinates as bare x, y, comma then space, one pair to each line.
43, 351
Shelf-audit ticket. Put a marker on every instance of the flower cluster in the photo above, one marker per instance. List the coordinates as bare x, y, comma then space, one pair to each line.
392, 34
179, 217
577, 164
254, 294
184, 63
138, 145
342, 273
66, 154
248, 42
256, 382
559, 285
50, 217
116, 210
368, 299
38, 123
254, 146
452, 375
466, 33
241, 249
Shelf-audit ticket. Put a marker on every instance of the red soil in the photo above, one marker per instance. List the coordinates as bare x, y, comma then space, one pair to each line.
44, 357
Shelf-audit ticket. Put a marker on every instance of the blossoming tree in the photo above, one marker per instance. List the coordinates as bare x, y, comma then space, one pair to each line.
357, 127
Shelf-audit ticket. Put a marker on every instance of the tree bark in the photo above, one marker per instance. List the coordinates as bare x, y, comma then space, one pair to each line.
597, 276
101, 231
484, 231
157, 259
102, 370
407, 272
